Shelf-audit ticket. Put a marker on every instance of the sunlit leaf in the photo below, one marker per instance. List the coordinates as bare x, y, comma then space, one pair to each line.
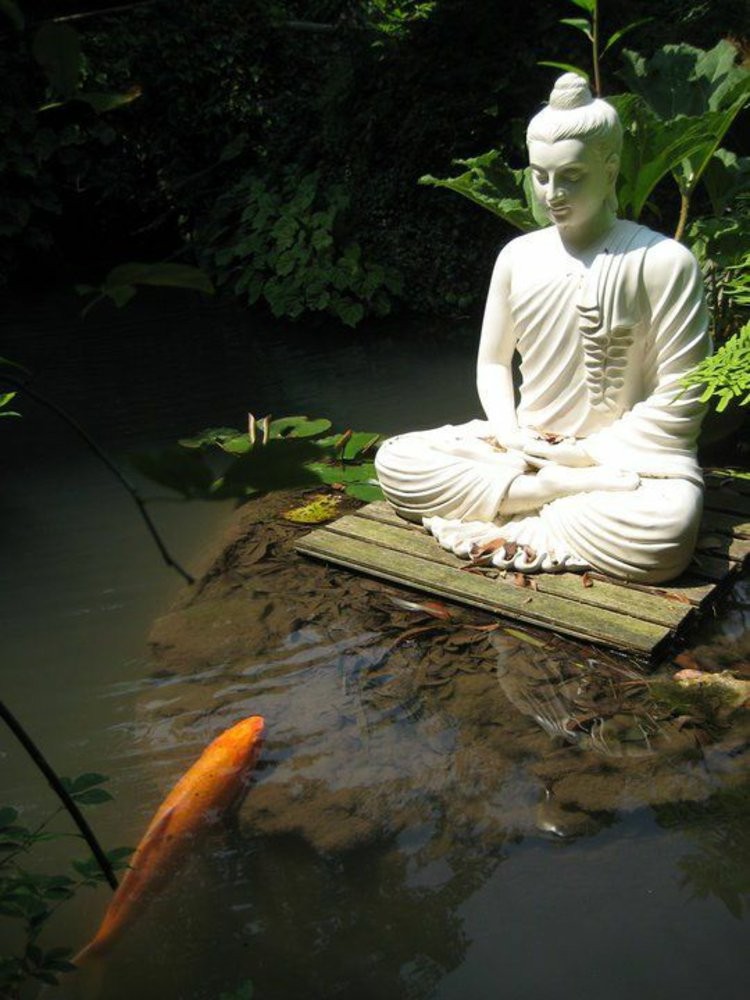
298, 427
359, 443
580, 23
239, 445
492, 184
684, 80
651, 149
588, 5
319, 508
369, 492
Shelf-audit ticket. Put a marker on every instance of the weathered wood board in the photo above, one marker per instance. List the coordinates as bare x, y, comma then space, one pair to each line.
636, 618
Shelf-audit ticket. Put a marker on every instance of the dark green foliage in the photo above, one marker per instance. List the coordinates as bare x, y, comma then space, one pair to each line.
288, 245
50, 135
370, 95
30, 897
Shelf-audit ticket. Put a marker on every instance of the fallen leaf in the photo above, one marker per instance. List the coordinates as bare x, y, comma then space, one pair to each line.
586, 580
525, 637
434, 608
521, 580
409, 633
321, 507
533, 584
479, 552
672, 596
489, 572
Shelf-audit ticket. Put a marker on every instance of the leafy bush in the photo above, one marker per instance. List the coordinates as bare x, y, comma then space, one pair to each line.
288, 245
726, 374
31, 897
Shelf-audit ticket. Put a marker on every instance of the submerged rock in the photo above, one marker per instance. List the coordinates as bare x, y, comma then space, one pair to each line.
384, 718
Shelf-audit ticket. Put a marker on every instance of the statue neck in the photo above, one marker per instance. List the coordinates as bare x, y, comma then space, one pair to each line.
585, 241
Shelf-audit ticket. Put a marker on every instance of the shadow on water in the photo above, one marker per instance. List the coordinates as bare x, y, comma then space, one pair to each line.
420, 781
459, 812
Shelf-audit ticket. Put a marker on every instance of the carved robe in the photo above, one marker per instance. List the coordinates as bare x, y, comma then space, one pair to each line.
602, 349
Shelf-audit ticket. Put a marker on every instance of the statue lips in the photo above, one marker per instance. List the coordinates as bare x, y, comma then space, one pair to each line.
216, 781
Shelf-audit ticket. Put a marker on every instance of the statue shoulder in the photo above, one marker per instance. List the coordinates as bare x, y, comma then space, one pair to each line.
527, 245
668, 264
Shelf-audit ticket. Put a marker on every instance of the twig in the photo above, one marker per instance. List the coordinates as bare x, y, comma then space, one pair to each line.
57, 786
102, 456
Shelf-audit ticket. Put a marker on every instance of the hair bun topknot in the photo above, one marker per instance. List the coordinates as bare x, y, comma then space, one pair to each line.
570, 91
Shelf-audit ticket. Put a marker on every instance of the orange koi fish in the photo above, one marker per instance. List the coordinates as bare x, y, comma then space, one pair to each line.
202, 795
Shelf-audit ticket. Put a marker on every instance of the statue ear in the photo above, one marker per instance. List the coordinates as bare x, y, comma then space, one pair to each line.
612, 167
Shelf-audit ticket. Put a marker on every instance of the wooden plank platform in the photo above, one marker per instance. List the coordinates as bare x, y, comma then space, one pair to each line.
635, 618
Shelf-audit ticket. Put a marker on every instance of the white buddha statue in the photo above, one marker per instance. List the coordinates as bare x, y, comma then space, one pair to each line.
595, 466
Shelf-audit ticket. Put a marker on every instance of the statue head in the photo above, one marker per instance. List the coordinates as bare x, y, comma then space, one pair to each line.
574, 150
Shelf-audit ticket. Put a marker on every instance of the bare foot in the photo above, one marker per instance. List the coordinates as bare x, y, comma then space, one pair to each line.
564, 480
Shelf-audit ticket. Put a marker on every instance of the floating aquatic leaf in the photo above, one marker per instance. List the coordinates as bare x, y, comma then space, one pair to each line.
298, 427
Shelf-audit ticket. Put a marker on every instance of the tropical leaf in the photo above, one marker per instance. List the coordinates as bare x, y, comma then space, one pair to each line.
715, 125
684, 80
651, 149
492, 184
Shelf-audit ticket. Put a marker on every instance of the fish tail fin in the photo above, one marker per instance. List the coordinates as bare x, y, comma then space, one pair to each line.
128, 897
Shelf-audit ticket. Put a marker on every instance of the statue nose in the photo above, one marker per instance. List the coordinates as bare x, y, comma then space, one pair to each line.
555, 191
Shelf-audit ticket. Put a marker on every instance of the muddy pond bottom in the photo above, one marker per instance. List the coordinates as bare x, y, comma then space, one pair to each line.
447, 805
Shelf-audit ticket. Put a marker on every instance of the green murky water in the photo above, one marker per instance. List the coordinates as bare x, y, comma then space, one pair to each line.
417, 827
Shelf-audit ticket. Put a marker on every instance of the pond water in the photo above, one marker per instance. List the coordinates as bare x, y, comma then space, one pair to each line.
414, 830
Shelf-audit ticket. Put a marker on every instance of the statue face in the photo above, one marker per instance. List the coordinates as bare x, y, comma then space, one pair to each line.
572, 184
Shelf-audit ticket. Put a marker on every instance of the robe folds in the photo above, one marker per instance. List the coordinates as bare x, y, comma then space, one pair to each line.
603, 343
